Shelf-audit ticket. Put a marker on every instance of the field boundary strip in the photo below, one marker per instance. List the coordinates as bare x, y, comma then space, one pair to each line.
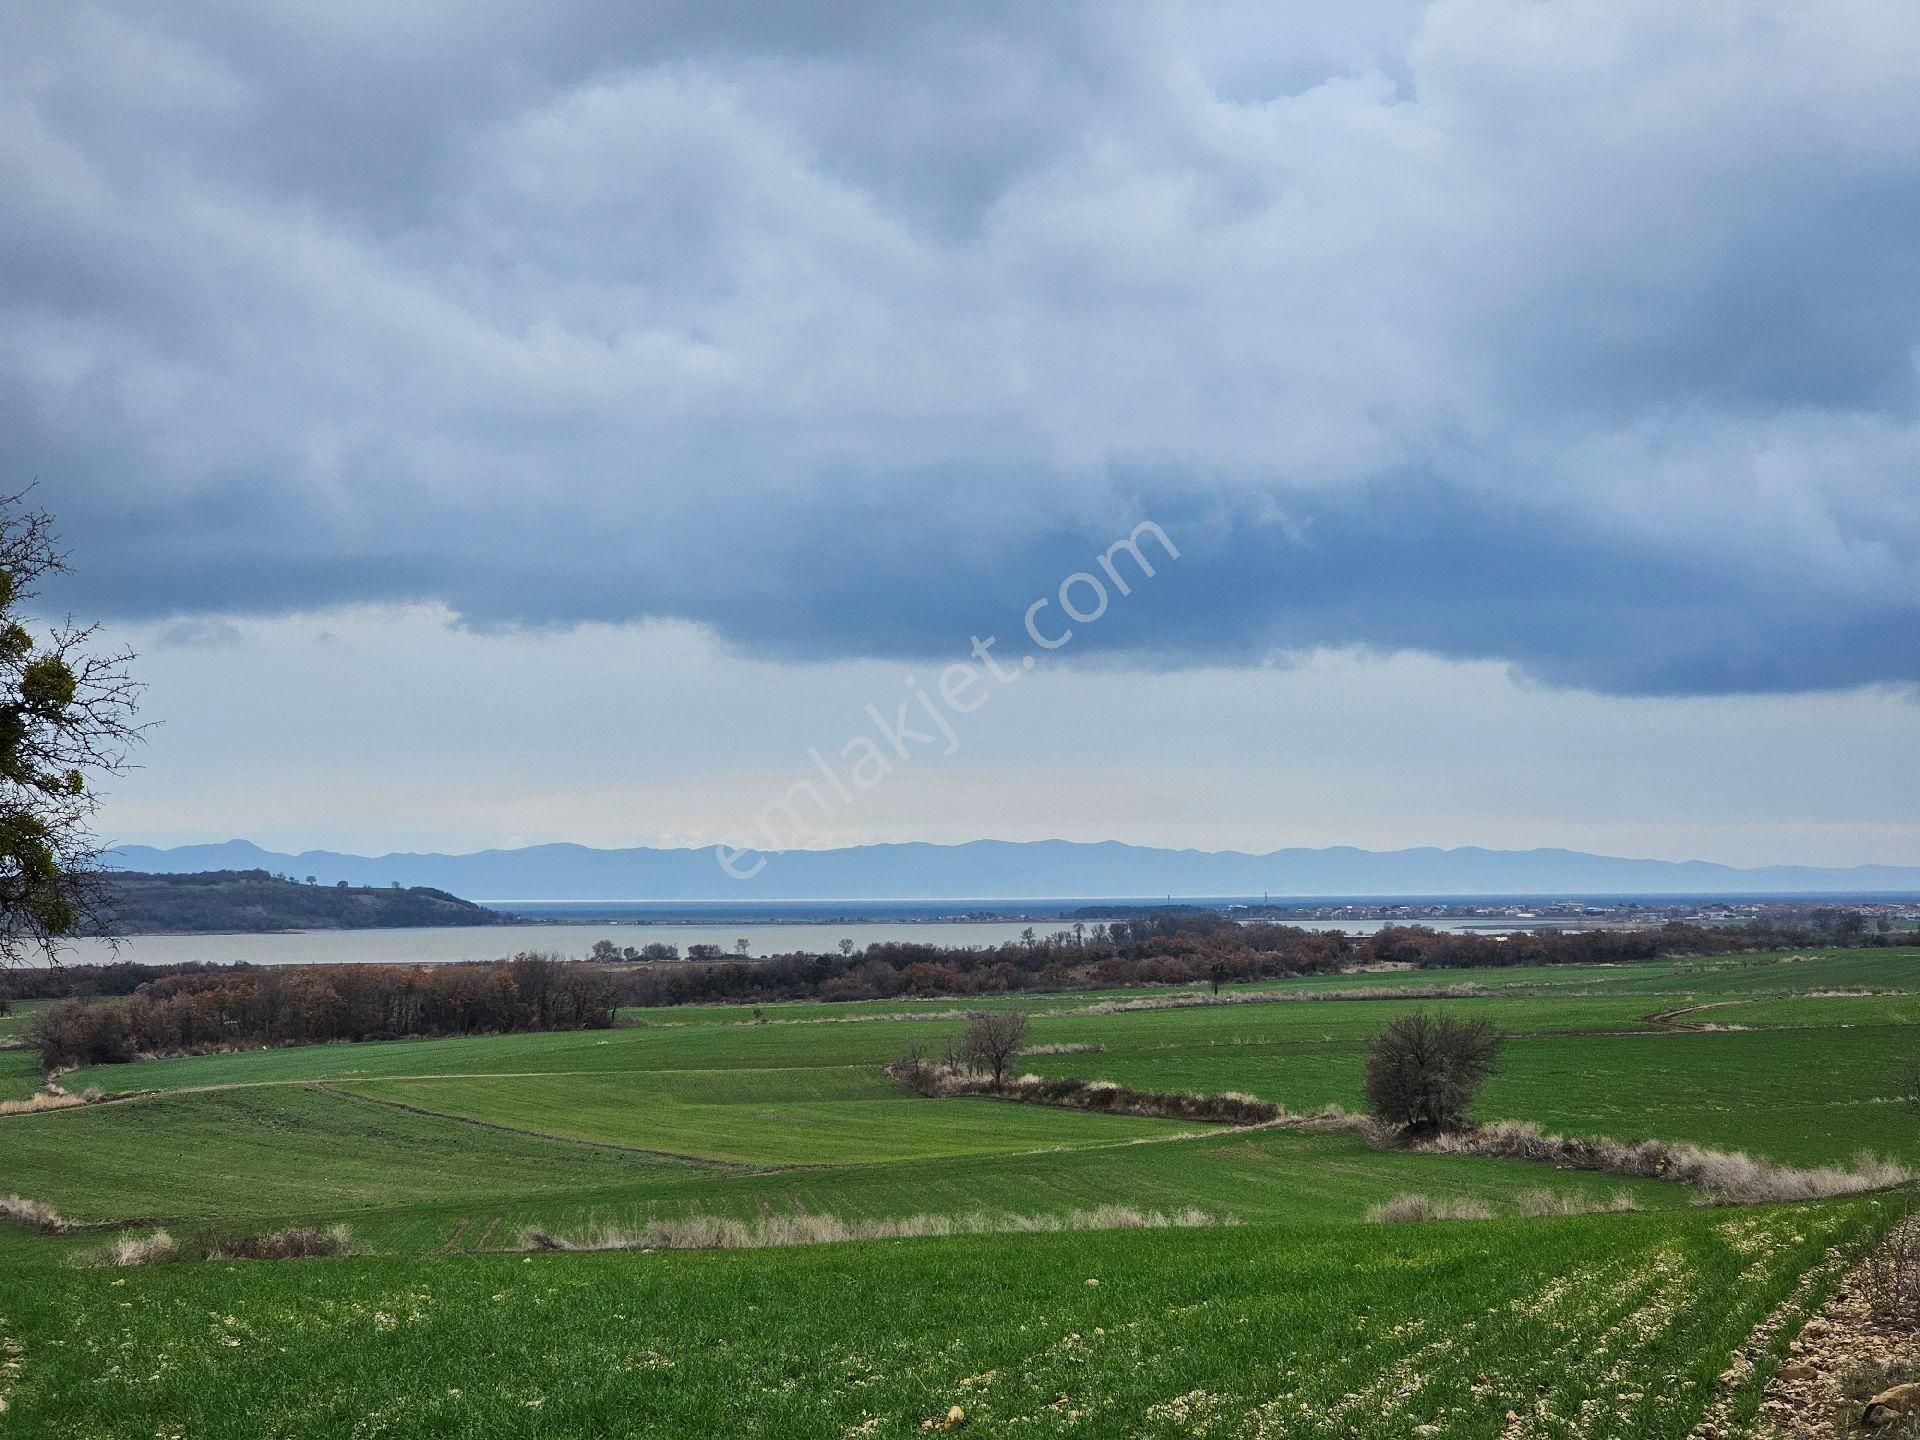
741, 1167
1670, 1019
127, 1097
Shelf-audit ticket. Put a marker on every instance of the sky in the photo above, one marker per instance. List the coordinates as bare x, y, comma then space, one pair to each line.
497, 423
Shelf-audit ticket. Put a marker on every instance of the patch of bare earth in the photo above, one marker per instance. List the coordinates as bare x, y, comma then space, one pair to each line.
1809, 1396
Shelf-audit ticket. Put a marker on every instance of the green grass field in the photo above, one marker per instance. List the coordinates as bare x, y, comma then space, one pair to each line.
20, 1013
19, 1074
1301, 1319
1616, 1325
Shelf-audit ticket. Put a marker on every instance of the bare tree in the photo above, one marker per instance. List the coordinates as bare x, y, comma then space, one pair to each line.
1424, 1070
66, 718
993, 1040
912, 1070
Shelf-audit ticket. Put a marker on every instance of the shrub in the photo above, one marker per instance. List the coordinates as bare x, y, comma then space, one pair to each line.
1530, 1204
1409, 1208
1104, 1097
297, 1243
1724, 1176
40, 1100
714, 1232
1890, 1278
1424, 1070
37, 1213
155, 1249
1544, 1204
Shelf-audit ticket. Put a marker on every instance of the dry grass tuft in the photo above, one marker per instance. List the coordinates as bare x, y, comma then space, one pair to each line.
1724, 1177
1410, 1208
1530, 1204
1102, 1096
155, 1249
160, 1248
1228, 1107
297, 1243
37, 1213
1858, 1385
1091, 1048
41, 1100
1890, 1278
1544, 1204
712, 1232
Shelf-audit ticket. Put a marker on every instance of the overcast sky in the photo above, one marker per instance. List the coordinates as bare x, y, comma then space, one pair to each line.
498, 423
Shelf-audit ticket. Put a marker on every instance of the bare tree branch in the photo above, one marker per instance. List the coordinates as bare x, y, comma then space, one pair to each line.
66, 719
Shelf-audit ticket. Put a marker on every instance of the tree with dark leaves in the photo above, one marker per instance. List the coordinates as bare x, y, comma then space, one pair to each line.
1424, 1070
66, 718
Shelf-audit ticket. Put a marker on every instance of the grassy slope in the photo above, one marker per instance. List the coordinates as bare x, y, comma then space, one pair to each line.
287, 1151
1259, 1331
729, 1044
20, 1013
812, 1116
19, 1074
255, 1157
1798, 1096
1266, 1315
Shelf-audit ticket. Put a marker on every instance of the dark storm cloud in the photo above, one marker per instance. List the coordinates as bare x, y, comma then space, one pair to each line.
1578, 336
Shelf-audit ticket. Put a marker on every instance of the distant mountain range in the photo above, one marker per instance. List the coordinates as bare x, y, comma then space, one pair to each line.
1001, 869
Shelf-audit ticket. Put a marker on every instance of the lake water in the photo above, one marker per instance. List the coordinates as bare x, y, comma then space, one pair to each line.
438, 945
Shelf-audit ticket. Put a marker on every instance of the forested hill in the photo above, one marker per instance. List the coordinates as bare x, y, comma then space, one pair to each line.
254, 900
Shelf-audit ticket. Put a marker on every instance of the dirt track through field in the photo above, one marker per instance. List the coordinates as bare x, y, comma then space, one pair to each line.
1670, 1019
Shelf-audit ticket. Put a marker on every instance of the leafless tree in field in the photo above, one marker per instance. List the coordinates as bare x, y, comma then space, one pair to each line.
994, 1038
1424, 1070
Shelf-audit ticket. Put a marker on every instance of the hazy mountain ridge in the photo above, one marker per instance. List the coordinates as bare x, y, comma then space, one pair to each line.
994, 869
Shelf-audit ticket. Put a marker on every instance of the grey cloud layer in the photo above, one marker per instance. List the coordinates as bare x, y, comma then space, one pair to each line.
1581, 335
